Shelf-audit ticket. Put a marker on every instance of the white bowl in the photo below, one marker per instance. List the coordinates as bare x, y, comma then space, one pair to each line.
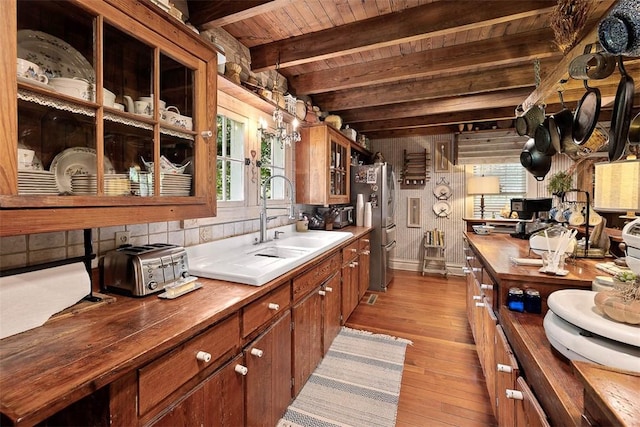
483, 229
108, 98
78, 88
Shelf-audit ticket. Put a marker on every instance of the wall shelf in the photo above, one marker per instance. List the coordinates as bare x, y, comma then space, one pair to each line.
415, 171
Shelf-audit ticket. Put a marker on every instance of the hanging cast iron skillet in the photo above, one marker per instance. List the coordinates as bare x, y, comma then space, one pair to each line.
586, 116
542, 139
537, 163
621, 118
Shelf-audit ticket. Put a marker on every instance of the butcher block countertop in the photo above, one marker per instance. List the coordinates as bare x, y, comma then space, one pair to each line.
47, 368
558, 383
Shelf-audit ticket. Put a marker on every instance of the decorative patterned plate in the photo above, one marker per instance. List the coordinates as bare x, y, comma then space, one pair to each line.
76, 160
55, 57
442, 208
442, 191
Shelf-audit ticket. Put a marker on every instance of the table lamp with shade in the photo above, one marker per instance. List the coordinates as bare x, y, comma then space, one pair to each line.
617, 189
483, 185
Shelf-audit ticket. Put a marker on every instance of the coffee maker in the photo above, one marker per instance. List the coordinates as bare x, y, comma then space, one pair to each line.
529, 212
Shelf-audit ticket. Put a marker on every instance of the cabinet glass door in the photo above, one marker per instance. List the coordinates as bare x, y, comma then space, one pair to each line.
56, 97
338, 170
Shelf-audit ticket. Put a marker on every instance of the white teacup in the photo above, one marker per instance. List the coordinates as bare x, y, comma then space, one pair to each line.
30, 70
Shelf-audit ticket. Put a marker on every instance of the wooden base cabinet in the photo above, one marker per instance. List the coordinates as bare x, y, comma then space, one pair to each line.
350, 280
331, 314
218, 402
364, 265
268, 380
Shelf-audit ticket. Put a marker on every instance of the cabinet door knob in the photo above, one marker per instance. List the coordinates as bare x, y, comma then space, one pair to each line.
328, 289
469, 257
504, 368
514, 394
242, 370
466, 270
257, 352
352, 264
274, 306
206, 134
203, 356
321, 292
366, 240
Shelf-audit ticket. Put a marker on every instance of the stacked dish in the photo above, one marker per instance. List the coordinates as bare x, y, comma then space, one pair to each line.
116, 184
76, 160
37, 182
175, 185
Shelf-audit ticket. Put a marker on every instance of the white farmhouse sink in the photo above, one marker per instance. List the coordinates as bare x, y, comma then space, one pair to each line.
238, 259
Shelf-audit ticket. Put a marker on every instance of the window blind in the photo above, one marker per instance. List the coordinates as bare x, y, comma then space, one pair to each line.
513, 184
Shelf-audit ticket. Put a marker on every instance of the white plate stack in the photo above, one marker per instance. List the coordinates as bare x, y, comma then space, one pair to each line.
116, 184
175, 185
37, 182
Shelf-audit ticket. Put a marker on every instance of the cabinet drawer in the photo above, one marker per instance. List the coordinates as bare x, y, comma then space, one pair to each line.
350, 252
304, 283
162, 377
364, 244
264, 309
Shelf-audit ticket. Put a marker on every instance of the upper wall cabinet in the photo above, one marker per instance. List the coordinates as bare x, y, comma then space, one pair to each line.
323, 160
108, 116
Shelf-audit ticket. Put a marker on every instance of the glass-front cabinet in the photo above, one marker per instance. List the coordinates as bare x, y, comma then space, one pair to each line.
110, 116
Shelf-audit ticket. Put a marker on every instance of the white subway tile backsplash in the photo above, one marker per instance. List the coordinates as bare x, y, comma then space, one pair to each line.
191, 237
13, 260
45, 255
109, 233
138, 229
47, 240
13, 244
176, 238
157, 227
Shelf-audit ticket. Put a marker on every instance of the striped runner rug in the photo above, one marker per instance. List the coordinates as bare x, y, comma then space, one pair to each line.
356, 384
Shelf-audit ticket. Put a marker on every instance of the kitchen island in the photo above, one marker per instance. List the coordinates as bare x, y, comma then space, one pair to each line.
551, 377
135, 360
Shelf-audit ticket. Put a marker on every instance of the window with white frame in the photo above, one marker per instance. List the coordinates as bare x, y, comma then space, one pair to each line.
272, 156
513, 184
232, 134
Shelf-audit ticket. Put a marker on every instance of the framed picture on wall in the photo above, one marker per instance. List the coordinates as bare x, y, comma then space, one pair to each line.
442, 157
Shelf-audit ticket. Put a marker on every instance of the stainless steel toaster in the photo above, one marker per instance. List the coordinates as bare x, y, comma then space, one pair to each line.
143, 270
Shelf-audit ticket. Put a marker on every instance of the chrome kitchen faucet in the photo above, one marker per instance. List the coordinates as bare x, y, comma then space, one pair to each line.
264, 219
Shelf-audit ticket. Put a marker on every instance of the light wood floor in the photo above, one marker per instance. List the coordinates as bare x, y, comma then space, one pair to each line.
442, 382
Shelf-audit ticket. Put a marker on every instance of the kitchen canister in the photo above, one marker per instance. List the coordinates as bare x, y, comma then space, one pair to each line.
367, 214
360, 210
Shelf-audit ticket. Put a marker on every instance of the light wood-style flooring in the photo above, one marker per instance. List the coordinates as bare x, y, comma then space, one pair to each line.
442, 382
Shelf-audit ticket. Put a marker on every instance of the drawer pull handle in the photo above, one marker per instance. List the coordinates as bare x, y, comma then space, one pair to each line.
321, 292
466, 270
469, 257
203, 356
366, 240
477, 297
366, 252
257, 352
328, 289
485, 286
206, 134
354, 250
514, 394
504, 368
274, 306
479, 304
242, 370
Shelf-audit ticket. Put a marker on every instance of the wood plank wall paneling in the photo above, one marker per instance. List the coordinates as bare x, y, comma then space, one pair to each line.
409, 240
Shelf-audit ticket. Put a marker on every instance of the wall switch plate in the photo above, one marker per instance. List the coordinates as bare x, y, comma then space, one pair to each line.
123, 238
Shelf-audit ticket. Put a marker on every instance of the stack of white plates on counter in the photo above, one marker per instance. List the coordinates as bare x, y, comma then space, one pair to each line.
37, 182
115, 184
175, 185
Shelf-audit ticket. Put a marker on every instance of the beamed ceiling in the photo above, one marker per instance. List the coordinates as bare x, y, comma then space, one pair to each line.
397, 68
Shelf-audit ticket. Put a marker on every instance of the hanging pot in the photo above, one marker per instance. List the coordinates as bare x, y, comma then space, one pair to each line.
634, 130
561, 128
596, 65
542, 139
621, 117
536, 163
529, 121
586, 116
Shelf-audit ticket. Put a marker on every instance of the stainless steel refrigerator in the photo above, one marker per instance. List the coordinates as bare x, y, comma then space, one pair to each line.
377, 185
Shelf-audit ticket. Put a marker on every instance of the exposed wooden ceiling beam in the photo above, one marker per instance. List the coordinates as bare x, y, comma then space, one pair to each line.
435, 19
513, 77
217, 13
484, 54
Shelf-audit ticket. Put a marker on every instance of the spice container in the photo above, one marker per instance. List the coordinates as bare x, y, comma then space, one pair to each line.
515, 299
532, 301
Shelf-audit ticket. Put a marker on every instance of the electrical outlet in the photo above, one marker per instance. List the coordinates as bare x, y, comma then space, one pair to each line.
123, 238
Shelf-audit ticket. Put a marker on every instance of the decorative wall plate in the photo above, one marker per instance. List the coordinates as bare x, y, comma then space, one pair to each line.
442, 208
442, 191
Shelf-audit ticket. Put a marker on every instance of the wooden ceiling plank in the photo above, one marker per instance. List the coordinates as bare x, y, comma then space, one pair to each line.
417, 23
475, 55
217, 13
